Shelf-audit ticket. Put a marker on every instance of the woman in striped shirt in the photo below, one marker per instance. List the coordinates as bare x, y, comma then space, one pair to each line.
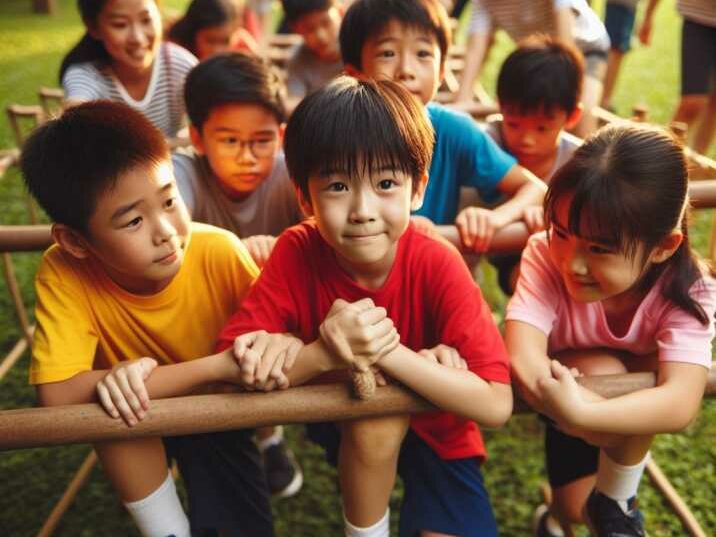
121, 57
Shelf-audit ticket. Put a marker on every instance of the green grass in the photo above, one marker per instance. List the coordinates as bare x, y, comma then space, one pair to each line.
31, 481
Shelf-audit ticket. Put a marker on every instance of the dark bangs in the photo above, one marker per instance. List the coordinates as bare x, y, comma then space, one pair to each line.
353, 127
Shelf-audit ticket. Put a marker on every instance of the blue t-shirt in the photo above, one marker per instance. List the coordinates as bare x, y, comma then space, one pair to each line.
463, 156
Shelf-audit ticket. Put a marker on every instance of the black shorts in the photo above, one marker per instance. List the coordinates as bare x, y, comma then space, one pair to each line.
698, 58
568, 458
225, 483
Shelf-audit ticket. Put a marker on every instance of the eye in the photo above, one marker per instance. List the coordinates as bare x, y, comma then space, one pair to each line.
386, 184
337, 187
170, 203
133, 223
600, 250
386, 54
229, 140
425, 53
558, 233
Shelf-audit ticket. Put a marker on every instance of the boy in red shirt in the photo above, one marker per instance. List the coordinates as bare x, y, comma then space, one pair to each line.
362, 287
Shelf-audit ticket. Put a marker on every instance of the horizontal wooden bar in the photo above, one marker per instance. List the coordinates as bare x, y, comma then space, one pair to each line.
25, 238
73, 424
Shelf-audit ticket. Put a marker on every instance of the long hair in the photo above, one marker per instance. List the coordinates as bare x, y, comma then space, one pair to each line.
629, 186
203, 14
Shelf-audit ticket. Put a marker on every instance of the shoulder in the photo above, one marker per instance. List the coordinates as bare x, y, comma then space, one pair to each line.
57, 265
186, 165
218, 248
428, 252
179, 56
493, 128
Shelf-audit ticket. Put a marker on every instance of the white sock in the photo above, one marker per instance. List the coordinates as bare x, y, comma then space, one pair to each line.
160, 514
379, 529
617, 481
272, 440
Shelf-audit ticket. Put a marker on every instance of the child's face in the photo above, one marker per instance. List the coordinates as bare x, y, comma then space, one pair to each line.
319, 30
216, 39
240, 141
130, 31
363, 218
406, 54
533, 137
592, 270
140, 229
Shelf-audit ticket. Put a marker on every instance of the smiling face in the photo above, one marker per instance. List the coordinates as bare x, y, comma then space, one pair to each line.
592, 269
405, 54
319, 30
240, 141
363, 218
131, 32
139, 229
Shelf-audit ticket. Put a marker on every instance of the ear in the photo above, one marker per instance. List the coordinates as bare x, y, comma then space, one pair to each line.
305, 204
70, 241
196, 139
574, 116
417, 201
666, 248
281, 133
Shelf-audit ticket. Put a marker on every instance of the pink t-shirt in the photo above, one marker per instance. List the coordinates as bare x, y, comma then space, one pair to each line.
542, 301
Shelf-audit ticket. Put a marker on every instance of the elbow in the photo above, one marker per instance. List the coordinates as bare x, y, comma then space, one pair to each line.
500, 408
681, 420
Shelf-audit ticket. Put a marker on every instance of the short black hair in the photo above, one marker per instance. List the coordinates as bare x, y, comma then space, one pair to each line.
352, 126
295, 9
367, 18
232, 77
541, 74
69, 161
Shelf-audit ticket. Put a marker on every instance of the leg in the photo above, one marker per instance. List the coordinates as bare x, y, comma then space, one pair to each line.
367, 466
705, 131
283, 474
596, 66
614, 63
138, 471
619, 21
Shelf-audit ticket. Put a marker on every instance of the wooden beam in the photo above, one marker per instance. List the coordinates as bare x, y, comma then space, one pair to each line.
74, 424
25, 238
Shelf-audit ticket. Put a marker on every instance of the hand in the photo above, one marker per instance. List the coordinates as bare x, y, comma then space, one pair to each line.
260, 246
560, 396
477, 226
122, 391
264, 359
358, 333
645, 32
444, 355
533, 217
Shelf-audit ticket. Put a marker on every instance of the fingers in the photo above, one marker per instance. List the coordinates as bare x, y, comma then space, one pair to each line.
476, 228
114, 400
371, 316
243, 343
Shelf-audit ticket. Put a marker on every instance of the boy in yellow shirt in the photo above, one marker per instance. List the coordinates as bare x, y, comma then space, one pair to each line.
130, 277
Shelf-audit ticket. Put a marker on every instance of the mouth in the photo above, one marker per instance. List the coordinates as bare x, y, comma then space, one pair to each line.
168, 259
362, 236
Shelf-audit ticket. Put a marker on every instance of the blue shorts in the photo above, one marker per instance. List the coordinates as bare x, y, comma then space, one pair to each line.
619, 21
446, 496
225, 483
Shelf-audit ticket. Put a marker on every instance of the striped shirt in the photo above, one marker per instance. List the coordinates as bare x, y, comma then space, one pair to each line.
162, 104
521, 18
700, 11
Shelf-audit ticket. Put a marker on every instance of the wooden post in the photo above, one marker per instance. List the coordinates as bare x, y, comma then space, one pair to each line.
44, 6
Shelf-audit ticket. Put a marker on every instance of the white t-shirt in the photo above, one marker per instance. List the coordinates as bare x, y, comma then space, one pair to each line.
163, 103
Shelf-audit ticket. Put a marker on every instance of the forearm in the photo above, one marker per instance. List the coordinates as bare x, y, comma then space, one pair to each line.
453, 390
564, 23
165, 381
651, 6
477, 48
531, 192
312, 360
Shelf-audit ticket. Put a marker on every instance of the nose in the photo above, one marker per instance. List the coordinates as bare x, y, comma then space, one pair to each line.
361, 210
406, 70
528, 138
136, 34
164, 230
576, 262
245, 153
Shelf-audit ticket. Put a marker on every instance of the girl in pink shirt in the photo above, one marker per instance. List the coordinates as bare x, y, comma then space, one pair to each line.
612, 287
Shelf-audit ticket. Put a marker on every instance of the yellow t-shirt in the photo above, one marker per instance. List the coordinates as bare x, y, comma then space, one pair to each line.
86, 321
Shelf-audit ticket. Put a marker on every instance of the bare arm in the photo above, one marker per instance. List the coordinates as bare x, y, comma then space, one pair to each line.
477, 46
524, 188
454, 390
165, 381
564, 24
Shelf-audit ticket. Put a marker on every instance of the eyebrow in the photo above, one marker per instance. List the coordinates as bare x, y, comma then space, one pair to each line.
597, 240
124, 209
237, 131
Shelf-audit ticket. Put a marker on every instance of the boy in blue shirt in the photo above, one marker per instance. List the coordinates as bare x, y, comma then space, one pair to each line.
407, 41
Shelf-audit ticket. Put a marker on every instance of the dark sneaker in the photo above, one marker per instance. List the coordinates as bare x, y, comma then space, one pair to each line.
539, 523
283, 473
605, 518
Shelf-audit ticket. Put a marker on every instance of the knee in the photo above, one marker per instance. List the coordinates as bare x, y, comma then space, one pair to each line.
374, 441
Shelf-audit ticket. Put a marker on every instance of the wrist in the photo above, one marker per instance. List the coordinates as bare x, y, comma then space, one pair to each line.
223, 366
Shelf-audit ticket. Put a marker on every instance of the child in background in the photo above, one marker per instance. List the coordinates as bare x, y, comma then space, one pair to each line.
538, 89
212, 26
236, 178
130, 277
407, 41
613, 288
318, 60
361, 285
121, 57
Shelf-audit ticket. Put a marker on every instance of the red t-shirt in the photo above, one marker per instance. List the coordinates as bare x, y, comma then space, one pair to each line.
429, 295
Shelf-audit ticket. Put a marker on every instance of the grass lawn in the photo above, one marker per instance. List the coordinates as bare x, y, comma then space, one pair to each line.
31, 481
